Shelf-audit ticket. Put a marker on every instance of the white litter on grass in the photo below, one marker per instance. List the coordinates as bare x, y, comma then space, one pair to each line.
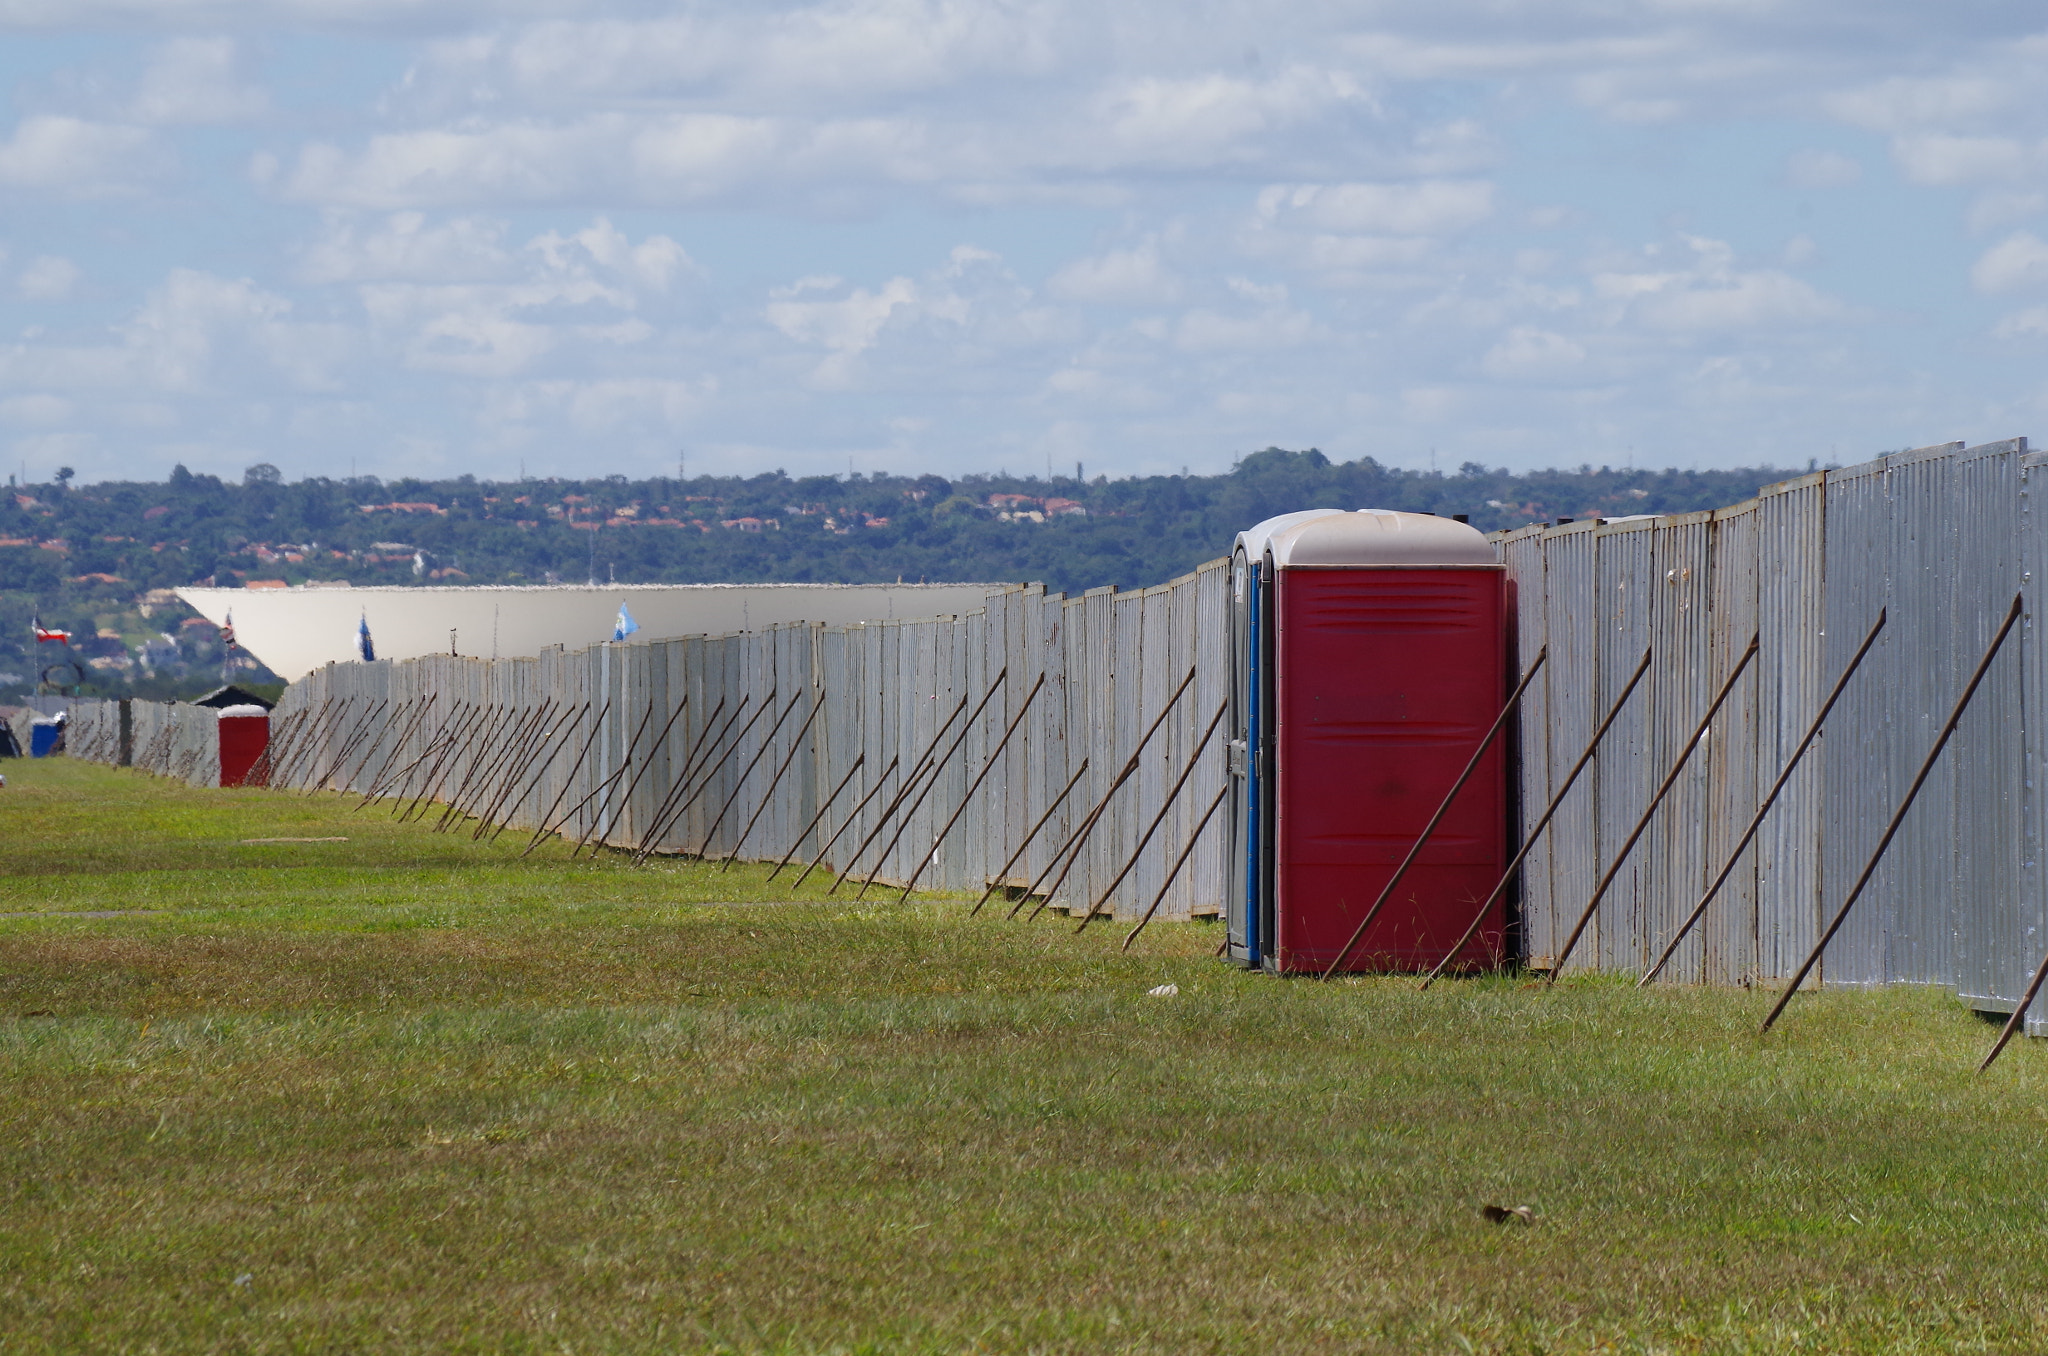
1163, 991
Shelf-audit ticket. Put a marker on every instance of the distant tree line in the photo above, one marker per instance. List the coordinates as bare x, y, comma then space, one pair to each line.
82, 557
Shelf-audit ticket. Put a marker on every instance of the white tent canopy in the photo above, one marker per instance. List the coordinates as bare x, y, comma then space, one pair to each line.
295, 631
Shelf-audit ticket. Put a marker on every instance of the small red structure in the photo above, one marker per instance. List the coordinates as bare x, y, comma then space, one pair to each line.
1371, 660
244, 735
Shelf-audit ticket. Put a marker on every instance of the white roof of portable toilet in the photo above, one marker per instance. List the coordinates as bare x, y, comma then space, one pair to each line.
1369, 537
1253, 540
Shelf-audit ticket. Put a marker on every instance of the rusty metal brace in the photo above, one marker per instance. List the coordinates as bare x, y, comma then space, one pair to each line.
1643, 824
1756, 821
1500, 723
1500, 888
1955, 718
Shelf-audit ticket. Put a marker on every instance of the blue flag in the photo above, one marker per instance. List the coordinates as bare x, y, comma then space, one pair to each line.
365, 651
625, 626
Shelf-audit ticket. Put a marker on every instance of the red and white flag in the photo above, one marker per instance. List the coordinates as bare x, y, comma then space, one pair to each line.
45, 634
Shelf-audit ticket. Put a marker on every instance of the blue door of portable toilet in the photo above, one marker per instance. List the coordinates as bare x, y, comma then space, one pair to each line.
43, 736
1250, 887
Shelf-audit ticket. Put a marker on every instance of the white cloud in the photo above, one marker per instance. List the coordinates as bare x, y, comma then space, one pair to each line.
1133, 277
72, 155
1431, 207
848, 324
2019, 261
49, 277
1349, 233
195, 334
1208, 331
1942, 159
810, 53
1714, 294
1526, 352
197, 80
1909, 103
1823, 169
1993, 210
406, 247
455, 298
653, 264
1212, 117
669, 158
599, 407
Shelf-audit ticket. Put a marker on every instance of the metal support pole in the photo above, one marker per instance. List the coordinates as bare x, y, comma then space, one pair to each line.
1043, 820
986, 767
646, 847
823, 806
853, 814
498, 736
336, 725
458, 750
680, 786
365, 722
903, 822
500, 766
450, 738
740, 782
394, 780
603, 793
302, 732
511, 766
430, 749
1663, 790
543, 829
369, 750
1172, 795
1500, 723
1948, 728
1173, 871
1757, 820
397, 747
507, 799
626, 801
1072, 851
2019, 1016
903, 791
264, 770
767, 797
1514, 864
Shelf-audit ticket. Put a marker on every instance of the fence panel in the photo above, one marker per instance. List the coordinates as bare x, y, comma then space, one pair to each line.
1856, 751
1728, 944
1997, 919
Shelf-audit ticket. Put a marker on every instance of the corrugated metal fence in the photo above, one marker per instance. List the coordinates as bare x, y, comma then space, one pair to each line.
1938, 539
970, 749
171, 739
858, 745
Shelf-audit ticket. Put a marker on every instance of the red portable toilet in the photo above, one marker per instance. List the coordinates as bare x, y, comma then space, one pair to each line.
244, 735
1371, 655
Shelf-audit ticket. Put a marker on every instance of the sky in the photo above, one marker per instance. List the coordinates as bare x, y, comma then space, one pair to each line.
552, 238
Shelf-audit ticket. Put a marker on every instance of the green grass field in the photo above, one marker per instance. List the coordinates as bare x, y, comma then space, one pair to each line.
411, 1093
